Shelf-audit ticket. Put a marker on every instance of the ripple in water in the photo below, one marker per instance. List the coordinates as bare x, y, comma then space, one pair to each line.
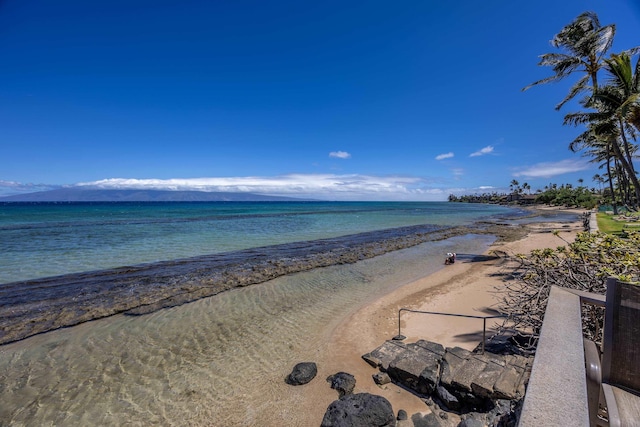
217, 361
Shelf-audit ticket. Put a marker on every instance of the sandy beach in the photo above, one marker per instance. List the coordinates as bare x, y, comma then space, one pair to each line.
466, 287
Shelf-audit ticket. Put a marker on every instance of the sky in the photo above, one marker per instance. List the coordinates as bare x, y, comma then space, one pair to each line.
333, 100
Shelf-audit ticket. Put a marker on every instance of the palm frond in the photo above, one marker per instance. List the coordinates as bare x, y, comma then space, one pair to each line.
580, 86
620, 72
633, 51
582, 42
636, 77
549, 79
576, 119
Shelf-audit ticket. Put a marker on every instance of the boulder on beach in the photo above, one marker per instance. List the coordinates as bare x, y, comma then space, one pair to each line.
359, 410
342, 382
302, 373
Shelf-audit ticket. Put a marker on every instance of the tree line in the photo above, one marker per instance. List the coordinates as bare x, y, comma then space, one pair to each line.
553, 194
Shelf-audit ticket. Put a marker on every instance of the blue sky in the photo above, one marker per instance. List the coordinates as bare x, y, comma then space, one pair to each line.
336, 100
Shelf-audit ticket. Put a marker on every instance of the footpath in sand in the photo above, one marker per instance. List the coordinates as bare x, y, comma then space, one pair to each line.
466, 287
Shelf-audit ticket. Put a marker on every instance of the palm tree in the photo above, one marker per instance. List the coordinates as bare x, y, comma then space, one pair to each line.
614, 103
621, 98
514, 186
585, 43
634, 118
599, 179
601, 139
598, 147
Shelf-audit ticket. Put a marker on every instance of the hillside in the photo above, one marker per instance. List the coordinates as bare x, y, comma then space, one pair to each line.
100, 195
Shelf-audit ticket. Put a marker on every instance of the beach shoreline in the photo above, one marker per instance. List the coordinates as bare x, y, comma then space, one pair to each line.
223, 359
466, 287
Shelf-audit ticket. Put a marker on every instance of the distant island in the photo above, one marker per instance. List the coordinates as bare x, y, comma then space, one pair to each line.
101, 195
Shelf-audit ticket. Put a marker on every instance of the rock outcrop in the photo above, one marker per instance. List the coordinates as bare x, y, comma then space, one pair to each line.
461, 388
459, 380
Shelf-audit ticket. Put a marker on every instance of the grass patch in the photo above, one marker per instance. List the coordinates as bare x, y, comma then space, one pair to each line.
608, 223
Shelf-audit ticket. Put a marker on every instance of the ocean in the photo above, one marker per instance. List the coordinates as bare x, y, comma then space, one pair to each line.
48, 239
212, 359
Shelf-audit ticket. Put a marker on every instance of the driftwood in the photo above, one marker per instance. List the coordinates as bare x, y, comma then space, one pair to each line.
583, 265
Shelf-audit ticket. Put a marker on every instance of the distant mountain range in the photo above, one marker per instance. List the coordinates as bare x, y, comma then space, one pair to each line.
99, 195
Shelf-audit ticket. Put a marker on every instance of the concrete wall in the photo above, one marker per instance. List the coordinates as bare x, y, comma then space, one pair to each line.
557, 390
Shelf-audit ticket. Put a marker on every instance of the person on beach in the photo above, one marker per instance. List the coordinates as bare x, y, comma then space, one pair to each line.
451, 258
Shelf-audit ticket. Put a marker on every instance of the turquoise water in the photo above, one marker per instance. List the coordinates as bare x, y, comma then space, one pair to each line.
50, 239
220, 360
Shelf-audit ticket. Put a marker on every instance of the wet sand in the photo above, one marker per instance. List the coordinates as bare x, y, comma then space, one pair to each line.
466, 287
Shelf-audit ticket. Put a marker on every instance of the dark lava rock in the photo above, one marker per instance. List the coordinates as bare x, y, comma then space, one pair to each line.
429, 420
342, 382
471, 422
381, 378
402, 415
359, 410
448, 399
302, 373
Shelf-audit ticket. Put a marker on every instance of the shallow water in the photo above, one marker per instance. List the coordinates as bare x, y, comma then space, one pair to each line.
48, 239
217, 361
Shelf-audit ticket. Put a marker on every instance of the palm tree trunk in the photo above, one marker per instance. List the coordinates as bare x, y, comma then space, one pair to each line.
625, 189
613, 194
628, 168
626, 145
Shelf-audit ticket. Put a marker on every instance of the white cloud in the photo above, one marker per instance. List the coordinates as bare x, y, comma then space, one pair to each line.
481, 189
11, 184
486, 150
444, 156
340, 154
319, 186
550, 169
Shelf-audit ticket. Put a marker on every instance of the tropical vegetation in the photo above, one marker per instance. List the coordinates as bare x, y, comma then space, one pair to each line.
568, 195
610, 114
563, 195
